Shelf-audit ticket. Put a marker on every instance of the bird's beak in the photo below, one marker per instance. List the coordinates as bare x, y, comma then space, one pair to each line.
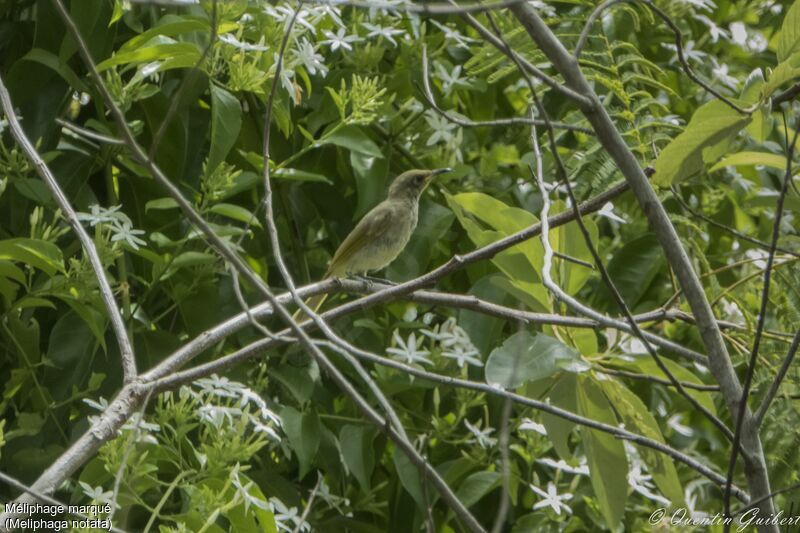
435, 173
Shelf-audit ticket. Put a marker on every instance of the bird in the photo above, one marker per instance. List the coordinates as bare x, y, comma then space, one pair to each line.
382, 234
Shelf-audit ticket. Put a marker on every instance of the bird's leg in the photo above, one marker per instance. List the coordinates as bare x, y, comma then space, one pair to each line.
374, 279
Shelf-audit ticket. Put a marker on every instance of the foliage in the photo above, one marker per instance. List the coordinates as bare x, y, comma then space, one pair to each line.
251, 450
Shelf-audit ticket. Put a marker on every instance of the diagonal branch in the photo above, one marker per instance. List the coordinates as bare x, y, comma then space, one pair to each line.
117, 323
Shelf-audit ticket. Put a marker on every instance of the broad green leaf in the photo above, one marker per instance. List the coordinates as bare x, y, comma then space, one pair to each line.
638, 419
358, 453
236, 212
478, 485
303, 431
300, 175
409, 477
787, 70
353, 139
633, 268
563, 395
645, 364
790, 202
43, 255
683, 157
522, 262
169, 29
789, 34
742, 159
161, 203
605, 454
226, 121
524, 357
179, 54
50, 60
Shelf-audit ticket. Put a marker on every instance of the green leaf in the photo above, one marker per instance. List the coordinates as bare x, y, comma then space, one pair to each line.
645, 364
742, 159
524, 357
563, 395
786, 71
161, 203
359, 456
409, 477
608, 463
711, 124
638, 419
633, 268
478, 485
43, 255
300, 175
303, 431
169, 29
788, 40
226, 121
236, 212
353, 139
177, 54
51, 61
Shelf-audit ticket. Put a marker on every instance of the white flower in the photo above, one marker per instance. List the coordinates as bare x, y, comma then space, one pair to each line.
642, 483
713, 30
320, 11
450, 79
340, 40
481, 436
244, 492
286, 518
233, 41
97, 494
125, 232
732, 312
759, 257
408, 350
546, 9
633, 344
463, 355
674, 422
581, 470
310, 59
751, 41
720, 72
530, 425
101, 214
380, 31
82, 98
285, 14
688, 52
552, 499
608, 211
455, 36
442, 128
410, 313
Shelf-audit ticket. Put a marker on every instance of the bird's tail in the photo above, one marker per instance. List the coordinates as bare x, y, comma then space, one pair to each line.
313, 303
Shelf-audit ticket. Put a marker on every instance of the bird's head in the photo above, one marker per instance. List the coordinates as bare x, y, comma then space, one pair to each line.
411, 183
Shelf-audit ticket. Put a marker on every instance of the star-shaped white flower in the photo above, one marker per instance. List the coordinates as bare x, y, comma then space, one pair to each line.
408, 350
310, 59
381, 31
450, 78
340, 40
481, 435
442, 128
552, 499
463, 355
608, 211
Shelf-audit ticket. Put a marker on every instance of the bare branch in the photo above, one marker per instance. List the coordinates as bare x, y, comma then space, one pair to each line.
117, 323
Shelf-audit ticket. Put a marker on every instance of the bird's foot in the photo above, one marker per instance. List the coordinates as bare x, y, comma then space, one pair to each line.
372, 280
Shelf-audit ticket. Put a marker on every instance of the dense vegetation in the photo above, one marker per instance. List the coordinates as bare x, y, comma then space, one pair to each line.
170, 133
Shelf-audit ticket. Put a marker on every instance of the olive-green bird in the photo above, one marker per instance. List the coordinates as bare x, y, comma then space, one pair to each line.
383, 233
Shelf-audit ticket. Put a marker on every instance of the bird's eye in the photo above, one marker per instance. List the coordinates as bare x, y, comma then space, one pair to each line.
419, 179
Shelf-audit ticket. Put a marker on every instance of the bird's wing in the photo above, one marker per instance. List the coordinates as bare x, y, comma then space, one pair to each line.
372, 226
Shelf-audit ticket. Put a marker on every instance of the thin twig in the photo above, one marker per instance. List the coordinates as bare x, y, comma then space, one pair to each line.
762, 316
776, 383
